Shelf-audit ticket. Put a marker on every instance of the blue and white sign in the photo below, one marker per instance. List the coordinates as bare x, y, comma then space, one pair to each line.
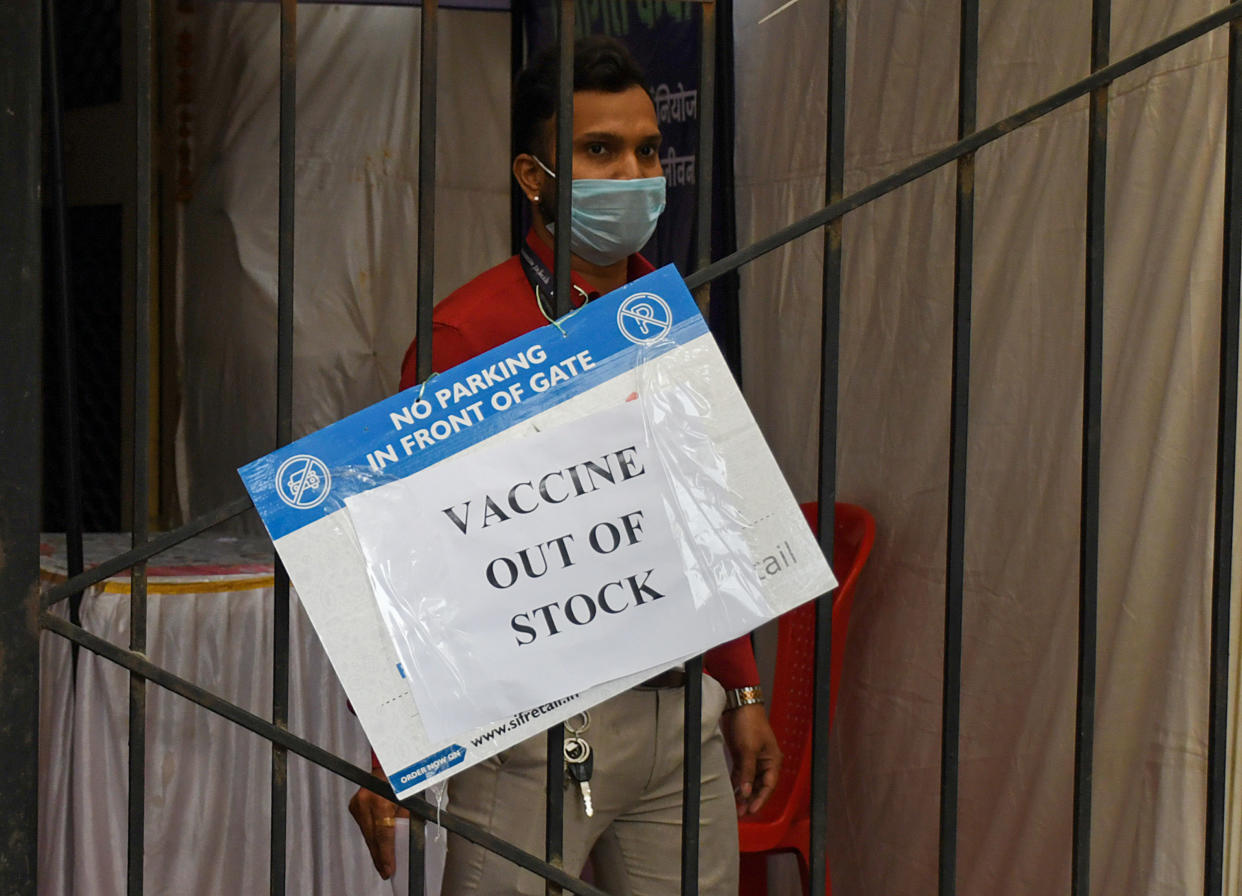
395, 438
433, 487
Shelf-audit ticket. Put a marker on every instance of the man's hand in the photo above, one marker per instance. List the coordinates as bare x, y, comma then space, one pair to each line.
755, 754
376, 818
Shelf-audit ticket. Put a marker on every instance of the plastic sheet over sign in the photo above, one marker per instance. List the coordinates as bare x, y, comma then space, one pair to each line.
548, 564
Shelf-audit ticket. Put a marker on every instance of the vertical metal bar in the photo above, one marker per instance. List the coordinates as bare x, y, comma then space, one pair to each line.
519, 10
725, 313
554, 808
692, 774
830, 326
417, 852
704, 165
1226, 458
21, 414
564, 154
963, 267
554, 817
692, 744
143, 140
72, 473
427, 74
1092, 412
428, 83
286, 151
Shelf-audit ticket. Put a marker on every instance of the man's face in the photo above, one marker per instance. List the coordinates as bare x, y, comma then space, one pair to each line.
615, 137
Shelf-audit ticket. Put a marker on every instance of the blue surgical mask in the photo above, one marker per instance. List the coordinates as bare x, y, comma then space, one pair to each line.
612, 219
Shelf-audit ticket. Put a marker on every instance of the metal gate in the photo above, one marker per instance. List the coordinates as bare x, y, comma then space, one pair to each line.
24, 612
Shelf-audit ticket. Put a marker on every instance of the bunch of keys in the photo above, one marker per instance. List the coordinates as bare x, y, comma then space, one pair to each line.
579, 762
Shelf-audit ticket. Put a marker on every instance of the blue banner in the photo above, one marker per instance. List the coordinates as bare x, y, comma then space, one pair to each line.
311, 478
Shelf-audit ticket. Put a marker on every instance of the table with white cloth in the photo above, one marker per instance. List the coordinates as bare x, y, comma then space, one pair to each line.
208, 790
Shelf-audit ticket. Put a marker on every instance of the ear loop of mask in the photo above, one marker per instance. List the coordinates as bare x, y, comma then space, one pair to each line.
538, 293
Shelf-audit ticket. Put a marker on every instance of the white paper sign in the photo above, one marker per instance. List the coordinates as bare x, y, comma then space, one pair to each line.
515, 575
646, 338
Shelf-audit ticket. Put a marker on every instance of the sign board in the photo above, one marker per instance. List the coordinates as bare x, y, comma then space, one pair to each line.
645, 345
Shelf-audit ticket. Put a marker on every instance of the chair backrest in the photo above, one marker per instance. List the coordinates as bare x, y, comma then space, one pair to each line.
793, 685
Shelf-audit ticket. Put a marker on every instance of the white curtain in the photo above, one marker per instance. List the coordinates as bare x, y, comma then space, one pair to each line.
356, 220
1165, 206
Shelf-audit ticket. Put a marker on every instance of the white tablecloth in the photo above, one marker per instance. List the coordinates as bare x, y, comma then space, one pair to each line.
207, 780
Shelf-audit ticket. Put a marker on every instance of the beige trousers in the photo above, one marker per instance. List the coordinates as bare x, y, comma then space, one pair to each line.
634, 837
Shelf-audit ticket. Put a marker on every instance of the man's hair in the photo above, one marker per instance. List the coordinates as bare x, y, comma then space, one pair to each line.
600, 63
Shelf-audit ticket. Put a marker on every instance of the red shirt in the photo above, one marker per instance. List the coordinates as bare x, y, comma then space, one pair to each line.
499, 305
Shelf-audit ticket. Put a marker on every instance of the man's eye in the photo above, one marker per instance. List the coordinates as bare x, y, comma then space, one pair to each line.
596, 149
647, 152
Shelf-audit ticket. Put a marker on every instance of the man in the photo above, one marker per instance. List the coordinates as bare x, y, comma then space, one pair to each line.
636, 737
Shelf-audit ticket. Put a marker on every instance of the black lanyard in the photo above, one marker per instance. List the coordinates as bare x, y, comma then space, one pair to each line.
541, 280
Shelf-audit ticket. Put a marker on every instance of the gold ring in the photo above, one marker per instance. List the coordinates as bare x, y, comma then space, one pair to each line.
387, 821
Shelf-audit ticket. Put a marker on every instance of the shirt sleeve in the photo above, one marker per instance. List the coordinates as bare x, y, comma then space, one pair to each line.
733, 664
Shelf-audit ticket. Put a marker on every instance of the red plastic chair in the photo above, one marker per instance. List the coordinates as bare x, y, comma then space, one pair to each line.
784, 823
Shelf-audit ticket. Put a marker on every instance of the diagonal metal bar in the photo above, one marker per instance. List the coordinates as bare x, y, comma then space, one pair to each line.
145, 551
200, 696
970, 144
1226, 458
1092, 427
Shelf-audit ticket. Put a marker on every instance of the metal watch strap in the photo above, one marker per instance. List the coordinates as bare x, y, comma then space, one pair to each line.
738, 697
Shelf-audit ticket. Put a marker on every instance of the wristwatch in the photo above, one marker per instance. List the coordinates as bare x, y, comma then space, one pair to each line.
738, 697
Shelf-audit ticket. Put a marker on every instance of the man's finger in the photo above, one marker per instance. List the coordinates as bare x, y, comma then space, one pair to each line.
767, 783
384, 835
743, 776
